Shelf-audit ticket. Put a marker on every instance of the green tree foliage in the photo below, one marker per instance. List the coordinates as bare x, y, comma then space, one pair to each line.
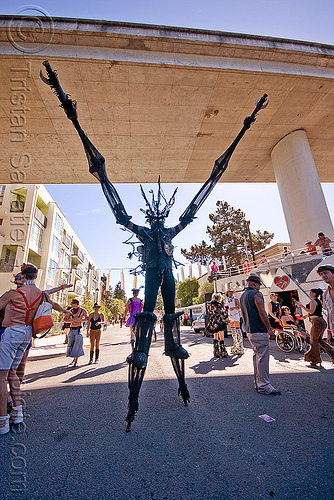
118, 292
112, 307
159, 305
87, 304
206, 288
229, 236
186, 290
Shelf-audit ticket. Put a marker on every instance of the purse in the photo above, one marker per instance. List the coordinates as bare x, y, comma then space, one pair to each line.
43, 320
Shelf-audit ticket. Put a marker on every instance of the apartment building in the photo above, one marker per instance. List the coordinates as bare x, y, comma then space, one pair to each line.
34, 230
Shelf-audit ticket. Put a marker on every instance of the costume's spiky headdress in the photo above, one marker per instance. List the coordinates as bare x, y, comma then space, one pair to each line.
153, 209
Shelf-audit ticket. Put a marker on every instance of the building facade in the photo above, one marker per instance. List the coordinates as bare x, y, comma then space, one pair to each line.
34, 230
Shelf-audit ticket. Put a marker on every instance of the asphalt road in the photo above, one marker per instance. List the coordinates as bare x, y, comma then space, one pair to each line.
74, 444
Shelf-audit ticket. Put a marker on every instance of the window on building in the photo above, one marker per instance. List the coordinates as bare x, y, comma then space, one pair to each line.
55, 245
1, 221
17, 203
36, 235
2, 193
58, 223
65, 278
67, 261
52, 270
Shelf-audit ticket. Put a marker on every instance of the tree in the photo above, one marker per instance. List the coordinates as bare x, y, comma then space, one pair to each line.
187, 290
112, 308
118, 292
159, 305
229, 237
87, 304
206, 288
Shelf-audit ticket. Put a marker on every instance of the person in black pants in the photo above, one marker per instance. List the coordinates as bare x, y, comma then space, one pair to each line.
94, 328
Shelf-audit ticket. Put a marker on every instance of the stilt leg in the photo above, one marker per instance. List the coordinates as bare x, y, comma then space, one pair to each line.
178, 365
143, 327
176, 352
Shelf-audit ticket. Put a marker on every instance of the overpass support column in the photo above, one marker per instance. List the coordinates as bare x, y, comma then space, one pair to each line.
302, 198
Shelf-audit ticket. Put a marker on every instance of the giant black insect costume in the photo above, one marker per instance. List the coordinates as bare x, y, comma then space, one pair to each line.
157, 250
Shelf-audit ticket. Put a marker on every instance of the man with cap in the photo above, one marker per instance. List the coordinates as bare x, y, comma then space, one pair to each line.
324, 243
20, 308
326, 272
258, 331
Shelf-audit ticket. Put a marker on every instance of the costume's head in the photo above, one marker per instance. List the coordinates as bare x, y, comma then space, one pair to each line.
155, 214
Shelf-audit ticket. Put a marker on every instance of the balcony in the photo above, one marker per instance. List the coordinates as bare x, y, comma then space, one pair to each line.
95, 274
6, 266
77, 256
40, 217
78, 272
17, 206
67, 241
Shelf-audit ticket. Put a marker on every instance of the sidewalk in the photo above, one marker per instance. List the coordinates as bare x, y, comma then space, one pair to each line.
53, 346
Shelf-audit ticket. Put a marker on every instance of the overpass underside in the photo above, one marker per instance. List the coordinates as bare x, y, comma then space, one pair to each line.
158, 101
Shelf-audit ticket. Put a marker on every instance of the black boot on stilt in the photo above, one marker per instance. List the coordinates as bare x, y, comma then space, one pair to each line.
97, 353
91, 354
176, 352
143, 327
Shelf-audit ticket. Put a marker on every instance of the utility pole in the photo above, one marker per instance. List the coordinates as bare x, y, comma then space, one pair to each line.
250, 241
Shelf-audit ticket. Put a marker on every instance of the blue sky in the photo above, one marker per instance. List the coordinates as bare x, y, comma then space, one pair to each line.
85, 206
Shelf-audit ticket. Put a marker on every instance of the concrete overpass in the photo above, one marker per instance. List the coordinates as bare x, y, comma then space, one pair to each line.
162, 100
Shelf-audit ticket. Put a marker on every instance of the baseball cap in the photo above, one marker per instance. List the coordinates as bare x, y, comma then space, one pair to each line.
254, 278
325, 267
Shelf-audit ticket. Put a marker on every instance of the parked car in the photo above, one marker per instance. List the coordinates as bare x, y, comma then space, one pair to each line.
198, 324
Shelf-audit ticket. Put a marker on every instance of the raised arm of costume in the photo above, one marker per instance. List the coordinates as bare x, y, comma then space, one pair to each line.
219, 168
95, 159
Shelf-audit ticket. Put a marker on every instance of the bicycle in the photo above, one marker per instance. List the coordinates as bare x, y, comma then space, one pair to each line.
289, 339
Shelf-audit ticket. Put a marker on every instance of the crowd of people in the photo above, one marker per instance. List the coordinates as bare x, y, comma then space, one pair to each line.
261, 324
19, 306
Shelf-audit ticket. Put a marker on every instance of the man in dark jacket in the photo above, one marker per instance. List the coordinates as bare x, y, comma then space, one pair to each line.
258, 330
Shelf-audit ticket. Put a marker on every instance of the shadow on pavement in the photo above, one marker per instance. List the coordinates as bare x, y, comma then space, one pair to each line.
92, 371
214, 364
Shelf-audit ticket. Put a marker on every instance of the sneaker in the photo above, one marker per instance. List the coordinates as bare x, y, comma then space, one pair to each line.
4, 425
274, 392
16, 415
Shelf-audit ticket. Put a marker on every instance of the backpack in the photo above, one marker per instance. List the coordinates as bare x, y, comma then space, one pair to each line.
43, 320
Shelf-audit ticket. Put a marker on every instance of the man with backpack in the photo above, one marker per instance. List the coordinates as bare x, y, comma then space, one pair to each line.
20, 308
